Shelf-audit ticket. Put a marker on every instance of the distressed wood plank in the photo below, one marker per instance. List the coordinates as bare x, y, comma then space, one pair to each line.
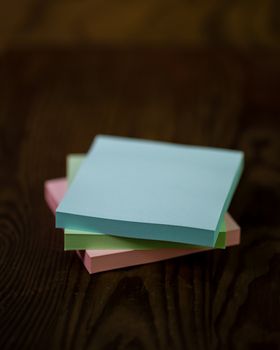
53, 102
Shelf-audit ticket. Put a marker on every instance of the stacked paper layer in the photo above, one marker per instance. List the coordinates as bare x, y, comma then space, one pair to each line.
131, 202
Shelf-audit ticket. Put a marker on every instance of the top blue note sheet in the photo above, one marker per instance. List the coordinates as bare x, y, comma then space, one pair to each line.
152, 190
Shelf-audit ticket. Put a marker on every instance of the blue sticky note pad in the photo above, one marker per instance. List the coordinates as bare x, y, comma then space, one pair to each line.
152, 190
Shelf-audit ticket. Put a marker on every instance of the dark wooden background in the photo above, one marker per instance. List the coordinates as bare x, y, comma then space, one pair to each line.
213, 79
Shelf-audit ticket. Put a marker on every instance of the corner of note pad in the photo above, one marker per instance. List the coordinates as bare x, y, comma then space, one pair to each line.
101, 137
59, 216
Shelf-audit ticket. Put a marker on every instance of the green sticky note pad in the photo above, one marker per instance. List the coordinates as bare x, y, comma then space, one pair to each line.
80, 240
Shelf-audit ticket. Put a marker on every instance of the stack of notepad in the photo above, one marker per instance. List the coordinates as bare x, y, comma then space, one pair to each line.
130, 202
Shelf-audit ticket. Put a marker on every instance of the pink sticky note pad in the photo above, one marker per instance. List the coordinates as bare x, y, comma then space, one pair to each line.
104, 260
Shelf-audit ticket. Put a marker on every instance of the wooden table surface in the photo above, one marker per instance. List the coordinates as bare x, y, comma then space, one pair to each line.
52, 103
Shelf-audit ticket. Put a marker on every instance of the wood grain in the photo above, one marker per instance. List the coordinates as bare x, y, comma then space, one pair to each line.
53, 102
204, 23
